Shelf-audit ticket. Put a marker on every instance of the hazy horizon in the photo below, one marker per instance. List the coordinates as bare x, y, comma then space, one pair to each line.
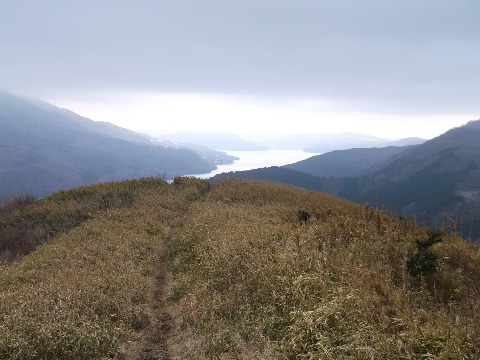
253, 120
389, 69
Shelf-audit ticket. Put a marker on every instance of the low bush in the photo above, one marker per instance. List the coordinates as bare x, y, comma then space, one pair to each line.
11, 203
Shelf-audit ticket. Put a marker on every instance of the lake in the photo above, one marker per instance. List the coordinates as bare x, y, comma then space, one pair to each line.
257, 159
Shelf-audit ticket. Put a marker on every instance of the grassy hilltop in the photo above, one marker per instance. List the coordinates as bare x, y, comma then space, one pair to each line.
144, 269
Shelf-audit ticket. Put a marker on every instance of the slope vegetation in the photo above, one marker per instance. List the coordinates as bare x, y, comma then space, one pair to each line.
257, 271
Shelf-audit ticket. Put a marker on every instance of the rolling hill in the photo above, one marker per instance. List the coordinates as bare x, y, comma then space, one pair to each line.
345, 163
44, 149
437, 182
144, 269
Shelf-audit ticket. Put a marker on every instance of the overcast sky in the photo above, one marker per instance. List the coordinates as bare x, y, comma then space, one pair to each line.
386, 67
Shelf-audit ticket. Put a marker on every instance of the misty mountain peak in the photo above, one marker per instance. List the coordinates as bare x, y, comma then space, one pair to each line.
475, 124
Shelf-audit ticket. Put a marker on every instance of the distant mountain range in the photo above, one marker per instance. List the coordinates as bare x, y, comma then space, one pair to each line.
219, 141
216, 156
322, 143
313, 143
44, 148
437, 182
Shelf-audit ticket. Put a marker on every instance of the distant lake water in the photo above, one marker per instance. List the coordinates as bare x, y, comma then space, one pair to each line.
249, 160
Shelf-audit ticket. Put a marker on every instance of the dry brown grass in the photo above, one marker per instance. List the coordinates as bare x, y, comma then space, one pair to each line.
252, 281
83, 294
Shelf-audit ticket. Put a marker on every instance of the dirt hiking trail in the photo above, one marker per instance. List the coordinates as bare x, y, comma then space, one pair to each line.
153, 342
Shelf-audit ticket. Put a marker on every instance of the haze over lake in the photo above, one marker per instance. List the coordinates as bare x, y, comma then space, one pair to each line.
249, 160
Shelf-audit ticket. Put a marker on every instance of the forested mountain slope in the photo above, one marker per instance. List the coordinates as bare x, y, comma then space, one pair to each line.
346, 163
434, 180
44, 149
237, 270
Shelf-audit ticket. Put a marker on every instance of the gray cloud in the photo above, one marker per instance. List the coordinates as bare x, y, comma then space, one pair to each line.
397, 56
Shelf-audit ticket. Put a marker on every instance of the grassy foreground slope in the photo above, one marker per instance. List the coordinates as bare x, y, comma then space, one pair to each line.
249, 280
83, 294
254, 283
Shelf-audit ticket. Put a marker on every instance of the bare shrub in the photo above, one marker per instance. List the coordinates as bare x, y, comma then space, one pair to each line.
11, 203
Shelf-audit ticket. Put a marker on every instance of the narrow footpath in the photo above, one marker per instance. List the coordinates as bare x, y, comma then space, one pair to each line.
153, 344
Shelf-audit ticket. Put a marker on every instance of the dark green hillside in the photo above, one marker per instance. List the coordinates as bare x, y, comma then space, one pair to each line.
145, 269
455, 149
438, 179
43, 149
277, 174
345, 163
